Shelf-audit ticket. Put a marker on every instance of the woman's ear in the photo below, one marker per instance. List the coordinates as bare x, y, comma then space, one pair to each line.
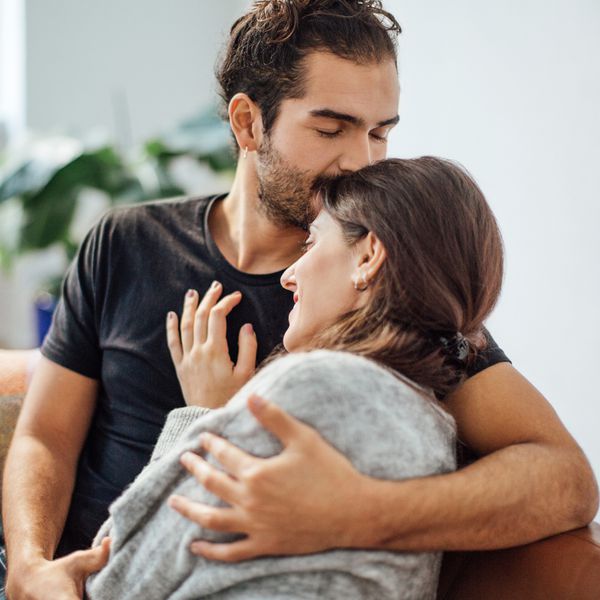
371, 256
245, 121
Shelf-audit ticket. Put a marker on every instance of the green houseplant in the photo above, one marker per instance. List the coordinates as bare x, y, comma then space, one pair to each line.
45, 193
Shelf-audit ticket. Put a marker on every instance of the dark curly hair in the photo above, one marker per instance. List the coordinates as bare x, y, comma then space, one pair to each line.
266, 47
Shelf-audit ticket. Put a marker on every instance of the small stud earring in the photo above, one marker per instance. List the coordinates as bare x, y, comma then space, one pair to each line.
363, 281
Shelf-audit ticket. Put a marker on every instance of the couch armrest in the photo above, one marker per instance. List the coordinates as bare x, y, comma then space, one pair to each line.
559, 567
14, 371
9, 411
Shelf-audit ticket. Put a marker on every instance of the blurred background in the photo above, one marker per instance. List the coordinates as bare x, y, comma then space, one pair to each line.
511, 90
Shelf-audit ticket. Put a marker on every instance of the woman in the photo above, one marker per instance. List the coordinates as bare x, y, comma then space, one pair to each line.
402, 266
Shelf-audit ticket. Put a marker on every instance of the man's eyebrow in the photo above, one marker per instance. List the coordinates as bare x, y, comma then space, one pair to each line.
328, 113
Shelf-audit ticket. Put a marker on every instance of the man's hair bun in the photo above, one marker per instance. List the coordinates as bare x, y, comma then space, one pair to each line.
280, 19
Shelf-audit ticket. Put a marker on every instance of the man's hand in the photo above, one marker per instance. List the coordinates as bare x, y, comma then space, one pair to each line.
200, 353
303, 500
60, 579
532, 481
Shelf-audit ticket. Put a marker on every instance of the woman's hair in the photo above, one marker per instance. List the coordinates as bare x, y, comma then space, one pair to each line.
263, 57
443, 271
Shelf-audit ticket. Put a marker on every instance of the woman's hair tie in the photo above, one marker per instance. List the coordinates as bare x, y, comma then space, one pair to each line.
456, 346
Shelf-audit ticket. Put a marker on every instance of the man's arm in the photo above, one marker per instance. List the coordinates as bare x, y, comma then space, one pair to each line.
532, 481
40, 471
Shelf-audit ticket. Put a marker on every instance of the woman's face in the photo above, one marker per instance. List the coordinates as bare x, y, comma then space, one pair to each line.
321, 281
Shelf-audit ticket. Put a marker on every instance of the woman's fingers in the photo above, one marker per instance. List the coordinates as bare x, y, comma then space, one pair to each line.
201, 320
203, 311
217, 320
247, 346
187, 320
214, 480
173, 339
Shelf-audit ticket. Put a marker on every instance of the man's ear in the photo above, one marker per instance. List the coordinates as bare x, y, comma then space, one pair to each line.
245, 121
371, 256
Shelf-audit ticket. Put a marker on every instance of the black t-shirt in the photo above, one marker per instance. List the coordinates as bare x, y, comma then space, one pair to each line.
131, 269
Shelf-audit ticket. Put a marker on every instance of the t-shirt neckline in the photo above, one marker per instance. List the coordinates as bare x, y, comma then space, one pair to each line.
224, 265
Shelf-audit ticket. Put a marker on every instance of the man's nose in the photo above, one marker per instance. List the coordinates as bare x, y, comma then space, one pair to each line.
356, 156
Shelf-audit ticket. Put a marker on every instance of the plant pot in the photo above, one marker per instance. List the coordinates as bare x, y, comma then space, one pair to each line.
44, 304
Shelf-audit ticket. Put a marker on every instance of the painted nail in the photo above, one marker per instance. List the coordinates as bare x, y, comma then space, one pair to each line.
190, 293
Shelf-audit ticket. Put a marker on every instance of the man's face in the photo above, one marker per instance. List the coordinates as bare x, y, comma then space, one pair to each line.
340, 124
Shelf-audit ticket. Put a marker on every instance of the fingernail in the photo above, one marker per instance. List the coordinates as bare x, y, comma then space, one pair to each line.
248, 329
214, 285
185, 458
190, 293
257, 402
196, 547
171, 315
173, 501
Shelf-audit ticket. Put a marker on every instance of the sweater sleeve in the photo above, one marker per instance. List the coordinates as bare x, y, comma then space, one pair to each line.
177, 423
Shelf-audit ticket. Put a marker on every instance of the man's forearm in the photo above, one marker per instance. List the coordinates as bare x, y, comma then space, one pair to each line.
36, 493
514, 496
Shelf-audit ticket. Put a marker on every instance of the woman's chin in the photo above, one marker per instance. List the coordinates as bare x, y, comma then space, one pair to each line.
291, 340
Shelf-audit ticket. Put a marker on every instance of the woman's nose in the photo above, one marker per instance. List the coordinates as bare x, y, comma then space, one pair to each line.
288, 279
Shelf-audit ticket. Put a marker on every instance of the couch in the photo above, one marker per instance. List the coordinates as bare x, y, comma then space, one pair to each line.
562, 567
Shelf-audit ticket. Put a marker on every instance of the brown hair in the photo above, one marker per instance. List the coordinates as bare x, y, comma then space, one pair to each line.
263, 57
442, 274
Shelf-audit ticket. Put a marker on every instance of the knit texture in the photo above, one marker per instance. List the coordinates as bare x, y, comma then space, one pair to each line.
385, 426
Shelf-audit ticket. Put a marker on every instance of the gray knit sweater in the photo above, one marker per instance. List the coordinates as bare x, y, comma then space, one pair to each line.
385, 427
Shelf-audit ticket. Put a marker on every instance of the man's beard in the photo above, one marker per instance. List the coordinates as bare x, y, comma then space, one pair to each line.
287, 195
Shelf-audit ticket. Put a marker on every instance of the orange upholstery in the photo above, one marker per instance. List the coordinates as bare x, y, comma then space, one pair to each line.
558, 568
13, 371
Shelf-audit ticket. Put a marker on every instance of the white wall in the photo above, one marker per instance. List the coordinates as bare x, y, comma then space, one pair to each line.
132, 68
12, 80
512, 90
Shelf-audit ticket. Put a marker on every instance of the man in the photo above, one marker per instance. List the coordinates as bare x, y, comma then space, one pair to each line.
311, 90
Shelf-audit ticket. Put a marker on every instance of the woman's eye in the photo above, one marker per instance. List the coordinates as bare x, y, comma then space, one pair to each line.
329, 134
306, 246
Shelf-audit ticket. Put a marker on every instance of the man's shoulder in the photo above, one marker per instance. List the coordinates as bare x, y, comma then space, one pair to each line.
155, 219
164, 209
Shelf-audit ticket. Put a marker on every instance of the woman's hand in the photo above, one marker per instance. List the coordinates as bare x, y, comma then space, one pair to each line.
309, 498
199, 350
